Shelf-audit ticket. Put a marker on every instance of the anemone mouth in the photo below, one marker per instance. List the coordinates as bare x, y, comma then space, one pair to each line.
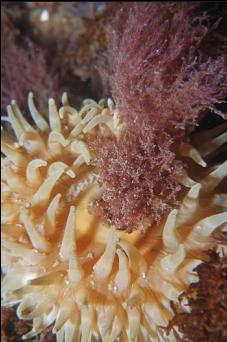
64, 267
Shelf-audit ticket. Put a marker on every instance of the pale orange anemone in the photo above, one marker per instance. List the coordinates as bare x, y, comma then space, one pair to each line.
62, 265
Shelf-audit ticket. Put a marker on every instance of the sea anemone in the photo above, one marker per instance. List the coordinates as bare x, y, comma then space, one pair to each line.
62, 265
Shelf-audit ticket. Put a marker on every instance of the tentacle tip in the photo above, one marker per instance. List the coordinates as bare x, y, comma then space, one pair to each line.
51, 101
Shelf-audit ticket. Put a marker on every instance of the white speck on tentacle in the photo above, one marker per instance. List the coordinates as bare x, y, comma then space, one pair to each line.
92, 283
143, 275
56, 263
115, 289
90, 256
16, 197
27, 205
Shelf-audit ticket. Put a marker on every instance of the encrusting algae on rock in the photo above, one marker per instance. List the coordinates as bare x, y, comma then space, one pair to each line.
63, 267
206, 320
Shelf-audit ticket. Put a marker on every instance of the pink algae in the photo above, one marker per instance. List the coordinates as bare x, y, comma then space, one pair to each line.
165, 61
141, 176
164, 66
23, 63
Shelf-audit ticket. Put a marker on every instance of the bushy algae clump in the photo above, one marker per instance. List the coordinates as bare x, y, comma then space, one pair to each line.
164, 66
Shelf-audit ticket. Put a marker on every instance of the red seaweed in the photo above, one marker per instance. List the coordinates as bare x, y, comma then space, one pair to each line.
141, 176
162, 72
24, 70
160, 62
